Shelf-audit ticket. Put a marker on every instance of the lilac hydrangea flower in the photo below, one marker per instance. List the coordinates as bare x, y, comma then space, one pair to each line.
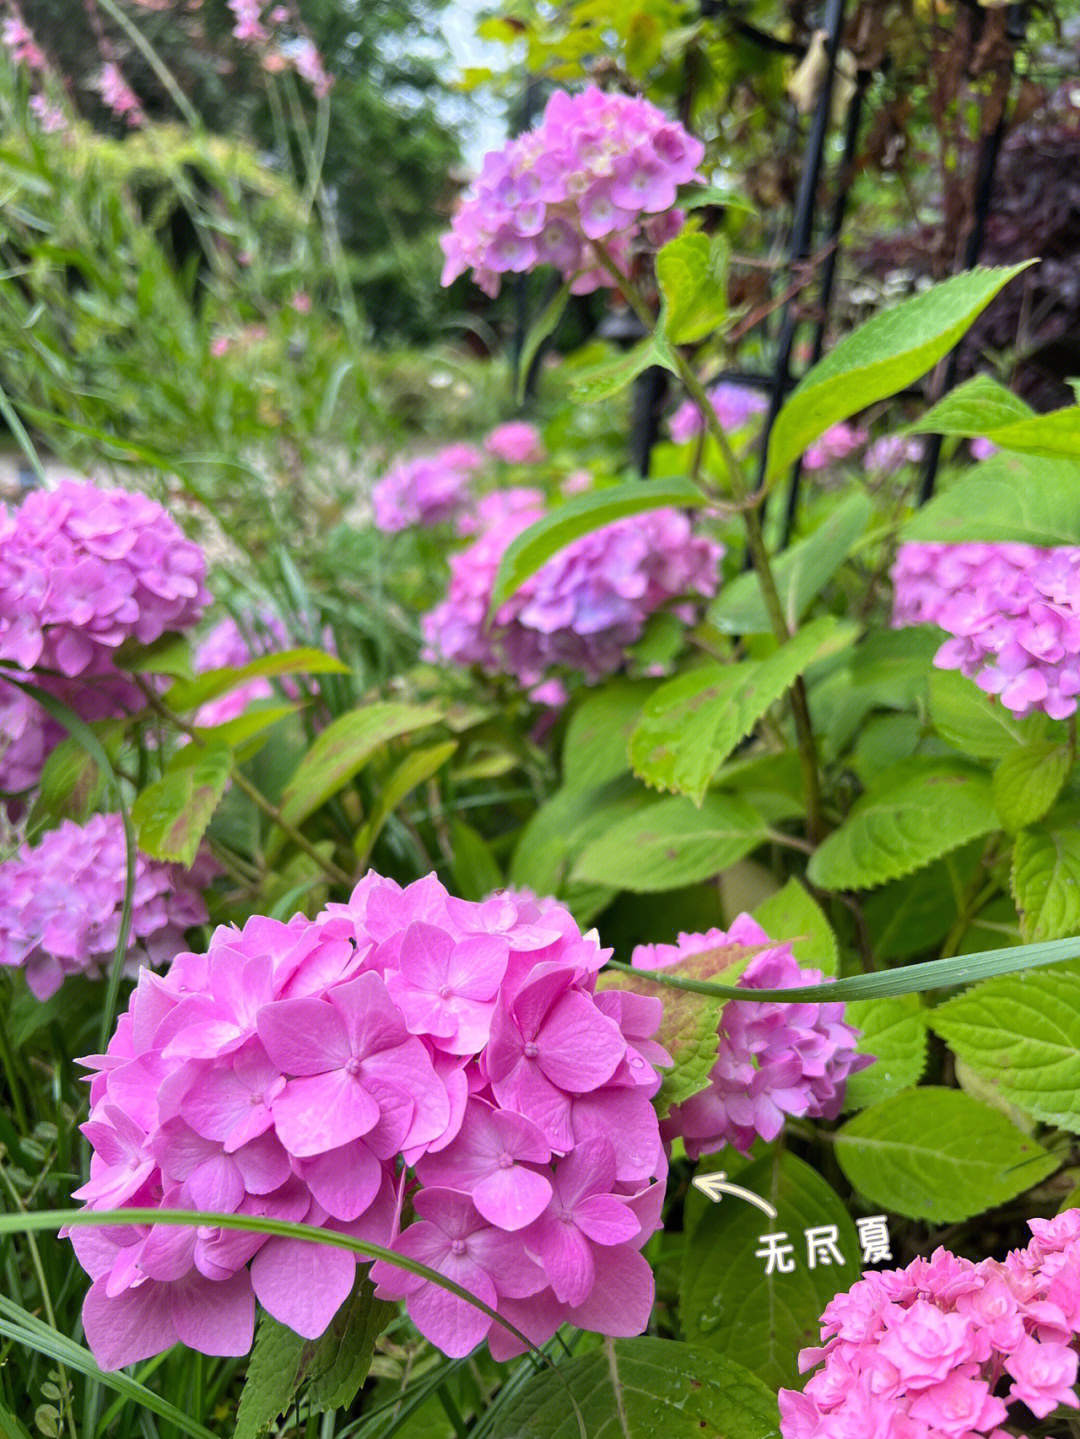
428, 490
836, 443
302, 1070
890, 453
582, 609
61, 902
597, 167
735, 406
774, 1059
1012, 612
515, 443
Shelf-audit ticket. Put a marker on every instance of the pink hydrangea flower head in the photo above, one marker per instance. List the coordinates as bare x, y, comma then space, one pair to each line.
1012, 612
428, 490
835, 444
582, 609
774, 1059
735, 406
890, 453
946, 1346
515, 443
61, 902
301, 1070
598, 167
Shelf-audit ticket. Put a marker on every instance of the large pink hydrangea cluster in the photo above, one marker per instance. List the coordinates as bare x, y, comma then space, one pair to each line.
774, 1059
1013, 614
597, 167
427, 490
582, 608
308, 1070
735, 406
61, 902
943, 1348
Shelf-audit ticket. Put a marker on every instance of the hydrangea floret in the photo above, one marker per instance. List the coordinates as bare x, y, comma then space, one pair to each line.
515, 443
735, 406
61, 902
836, 443
427, 490
414, 1070
944, 1348
1012, 612
774, 1059
598, 167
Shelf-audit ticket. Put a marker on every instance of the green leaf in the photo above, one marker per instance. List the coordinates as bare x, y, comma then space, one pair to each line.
168, 655
672, 843
245, 734
641, 1389
72, 782
801, 573
913, 915
976, 407
343, 1354
726, 1300
172, 814
344, 747
894, 1032
600, 382
691, 724
939, 1155
1008, 497
691, 272
191, 694
475, 869
1046, 881
1056, 435
417, 766
581, 515
598, 732
1021, 1033
274, 1374
1028, 781
880, 358
918, 811
544, 325
974, 723
791, 916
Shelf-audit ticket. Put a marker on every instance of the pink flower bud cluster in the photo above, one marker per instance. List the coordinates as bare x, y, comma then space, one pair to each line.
1013, 614
515, 443
61, 903
598, 167
835, 444
735, 406
582, 608
943, 1348
118, 95
410, 1069
774, 1059
428, 490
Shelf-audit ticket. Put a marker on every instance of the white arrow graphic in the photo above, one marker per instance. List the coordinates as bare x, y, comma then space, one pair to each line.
715, 1186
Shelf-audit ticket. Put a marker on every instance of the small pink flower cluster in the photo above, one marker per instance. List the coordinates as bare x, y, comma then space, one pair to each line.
582, 609
118, 95
515, 443
835, 444
61, 903
939, 1350
428, 490
891, 452
735, 407
1013, 612
18, 39
302, 1070
774, 1059
597, 167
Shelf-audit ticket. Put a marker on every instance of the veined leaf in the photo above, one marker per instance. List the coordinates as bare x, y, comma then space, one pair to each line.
191, 694
417, 766
690, 271
894, 1032
1028, 781
976, 407
1046, 880
600, 382
791, 916
973, 722
172, 814
1008, 497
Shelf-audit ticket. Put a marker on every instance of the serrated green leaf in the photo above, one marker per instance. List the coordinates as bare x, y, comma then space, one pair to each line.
1046, 881
973, 408
690, 271
691, 724
1021, 1033
728, 1303
600, 382
913, 915
1028, 781
191, 694
890, 351
1056, 435
792, 916
170, 654
641, 1389
342, 1355
914, 814
974, 723
274, 1373
1008, 497
894, 1032
172, 814
671, 843
598, 732
72, 783
581, 515
417, 766
939, 1155
801, 572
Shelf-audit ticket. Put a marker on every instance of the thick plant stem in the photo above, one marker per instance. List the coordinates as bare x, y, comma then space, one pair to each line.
755, 540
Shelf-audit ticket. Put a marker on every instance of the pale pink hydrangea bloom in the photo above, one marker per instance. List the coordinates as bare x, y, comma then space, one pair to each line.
61, 902
598, 167
304, 1070
516, 443
50, 117
582, 609
835, 444
1012, 611
774, 1059
735, 406
428, 490
941, 1349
